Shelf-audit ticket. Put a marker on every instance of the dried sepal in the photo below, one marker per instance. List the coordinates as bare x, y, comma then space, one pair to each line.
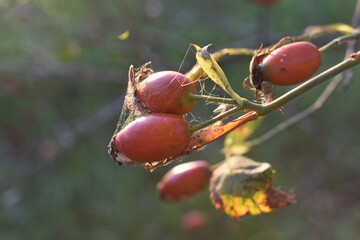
135, 76
261, 88
121, 159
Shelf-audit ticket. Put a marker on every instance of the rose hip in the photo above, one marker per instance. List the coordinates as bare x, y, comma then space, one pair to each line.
291, 64
184, 180
154, 137
167, 92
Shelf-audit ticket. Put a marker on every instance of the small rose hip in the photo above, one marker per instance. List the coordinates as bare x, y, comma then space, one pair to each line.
167, 92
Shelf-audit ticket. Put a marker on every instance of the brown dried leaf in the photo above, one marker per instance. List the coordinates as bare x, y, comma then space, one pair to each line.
205, 136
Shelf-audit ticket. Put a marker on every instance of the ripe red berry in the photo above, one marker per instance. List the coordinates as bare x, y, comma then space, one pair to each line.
154, 137
291, 63
184, 180
167, 92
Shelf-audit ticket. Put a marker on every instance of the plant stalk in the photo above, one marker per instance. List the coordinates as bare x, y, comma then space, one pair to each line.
353, 60
215, 119
213, 99
340, 40
263, 110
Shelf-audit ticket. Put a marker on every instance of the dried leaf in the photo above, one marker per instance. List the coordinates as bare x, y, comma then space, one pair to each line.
206, 135
214, 71
211, 67
241, 186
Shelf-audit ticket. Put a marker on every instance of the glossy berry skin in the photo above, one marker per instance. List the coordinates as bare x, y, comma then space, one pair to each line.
184, 180
153, 137
291, 64
167, 92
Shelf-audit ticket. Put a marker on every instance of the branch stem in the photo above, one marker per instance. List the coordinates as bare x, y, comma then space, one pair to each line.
331, 72
340, 40
345, 78
212, 99
298, 117
219, 117
263, 110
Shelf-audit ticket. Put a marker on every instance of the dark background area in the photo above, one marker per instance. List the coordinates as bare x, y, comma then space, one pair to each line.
63, 75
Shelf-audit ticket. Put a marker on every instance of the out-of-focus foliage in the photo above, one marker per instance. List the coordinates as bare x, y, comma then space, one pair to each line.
234, 142
63, 70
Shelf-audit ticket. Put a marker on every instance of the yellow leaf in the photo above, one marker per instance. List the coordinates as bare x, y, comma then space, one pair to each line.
241, 186
124, 35
214, 71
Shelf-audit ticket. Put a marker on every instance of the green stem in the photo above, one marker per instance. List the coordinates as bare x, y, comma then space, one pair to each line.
298, 117
262, 110
345, 77
340, 40
232, 52
309, 34
243, 104
207, 98
216, 119
331, 72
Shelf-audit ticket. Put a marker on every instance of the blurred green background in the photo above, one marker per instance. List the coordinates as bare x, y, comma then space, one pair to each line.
63, 75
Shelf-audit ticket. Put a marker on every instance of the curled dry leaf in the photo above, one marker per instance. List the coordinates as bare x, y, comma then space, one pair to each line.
241, 186
207, 135
214, 71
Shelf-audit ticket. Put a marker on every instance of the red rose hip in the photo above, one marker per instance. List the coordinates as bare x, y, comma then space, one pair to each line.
184, 180
167, 92
291, 64
153, 137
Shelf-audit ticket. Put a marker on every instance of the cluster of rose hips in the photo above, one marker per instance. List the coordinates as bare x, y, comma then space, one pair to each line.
163, 132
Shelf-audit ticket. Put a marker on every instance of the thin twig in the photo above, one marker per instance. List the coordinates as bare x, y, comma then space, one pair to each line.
298, 117
212, 99
264, 109
331, 72
340, 40
351, 46
345, 77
